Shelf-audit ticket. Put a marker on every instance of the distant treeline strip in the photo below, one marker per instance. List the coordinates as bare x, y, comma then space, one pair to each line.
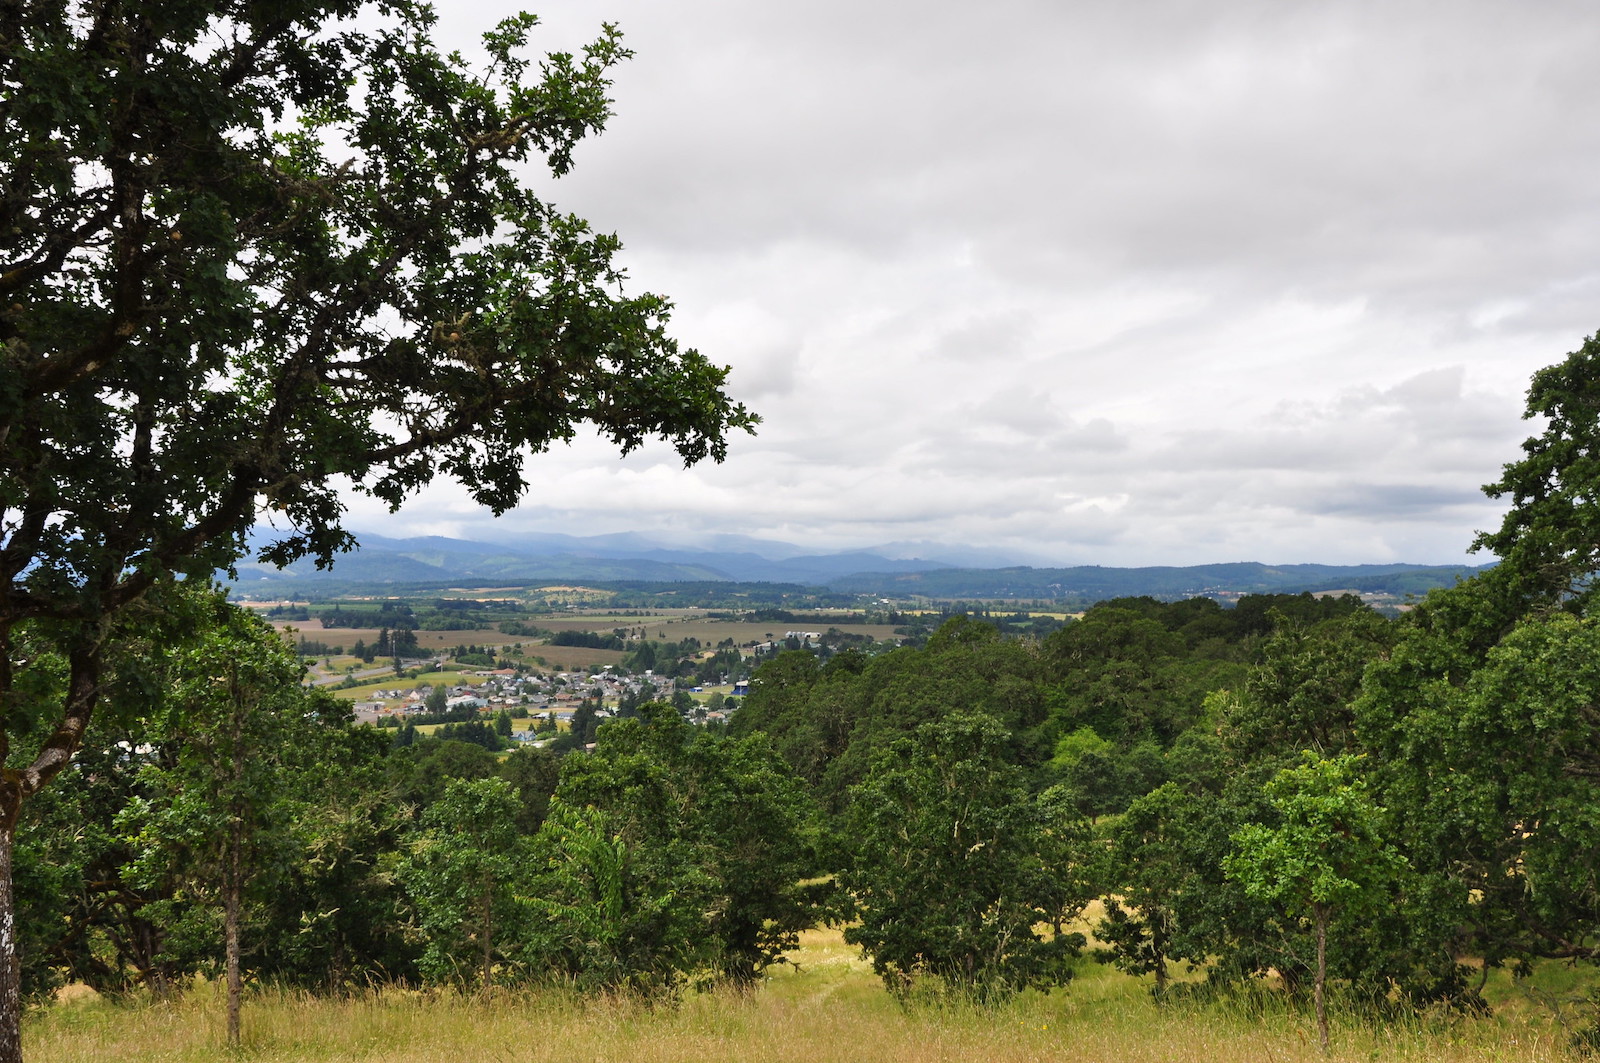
588, 639
1094, 583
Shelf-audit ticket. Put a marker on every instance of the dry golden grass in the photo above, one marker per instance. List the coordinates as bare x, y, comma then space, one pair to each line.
572, 658
830, 1010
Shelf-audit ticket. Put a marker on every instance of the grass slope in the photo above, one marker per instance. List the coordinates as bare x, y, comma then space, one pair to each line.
830, 1010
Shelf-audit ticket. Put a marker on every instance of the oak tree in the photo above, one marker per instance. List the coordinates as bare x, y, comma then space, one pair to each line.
252, 252
710, 836
953, 866
468, 872
1549, 539
218, 811
1327, 855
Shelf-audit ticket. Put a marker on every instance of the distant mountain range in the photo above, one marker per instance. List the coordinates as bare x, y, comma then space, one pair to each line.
438, 560
435, 562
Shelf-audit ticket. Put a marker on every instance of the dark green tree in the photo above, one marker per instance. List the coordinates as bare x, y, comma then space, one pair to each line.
534, 775
712, 842
953, 864
1549, 540
606, 913
1150, 871
418, 774
246, 252
1506, 849
1302, 693
1490, 685
468, 872
340, 920
584, 723
138, 848
237, 693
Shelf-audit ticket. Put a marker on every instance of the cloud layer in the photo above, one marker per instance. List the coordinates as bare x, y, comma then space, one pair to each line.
1128, 284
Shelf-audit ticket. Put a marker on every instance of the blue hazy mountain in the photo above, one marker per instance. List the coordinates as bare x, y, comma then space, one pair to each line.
439, 560
435, 561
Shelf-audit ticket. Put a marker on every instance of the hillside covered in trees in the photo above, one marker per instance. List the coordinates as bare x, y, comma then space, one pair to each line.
1251, 790
1294, 790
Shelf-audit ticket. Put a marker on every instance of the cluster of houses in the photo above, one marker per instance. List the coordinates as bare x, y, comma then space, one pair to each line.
490, 691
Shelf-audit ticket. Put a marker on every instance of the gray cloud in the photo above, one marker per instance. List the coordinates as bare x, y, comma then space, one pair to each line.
1155, 283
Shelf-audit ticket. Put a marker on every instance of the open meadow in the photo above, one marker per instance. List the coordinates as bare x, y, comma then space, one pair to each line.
830, 1009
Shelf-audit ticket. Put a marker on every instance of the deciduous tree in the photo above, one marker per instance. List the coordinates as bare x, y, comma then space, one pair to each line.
953, 865
713, 850
1549, 540
468, 872
251, 252
220, 807
1327, 855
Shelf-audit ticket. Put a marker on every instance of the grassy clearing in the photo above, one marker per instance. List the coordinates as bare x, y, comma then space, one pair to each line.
830, 1009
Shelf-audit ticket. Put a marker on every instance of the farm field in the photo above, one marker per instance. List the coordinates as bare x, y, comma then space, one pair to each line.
674, 628
559, 658
690, 623
573, 658
367, 690
830, 1009
427, 641
657, 626
516, 726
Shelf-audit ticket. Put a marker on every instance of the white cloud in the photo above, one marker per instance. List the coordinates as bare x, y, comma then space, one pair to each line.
1155, 283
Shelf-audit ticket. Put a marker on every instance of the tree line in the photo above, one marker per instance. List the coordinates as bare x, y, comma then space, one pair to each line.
1391, 809
242, 826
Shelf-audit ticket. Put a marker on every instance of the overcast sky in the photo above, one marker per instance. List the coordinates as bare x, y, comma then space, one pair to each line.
1126, 284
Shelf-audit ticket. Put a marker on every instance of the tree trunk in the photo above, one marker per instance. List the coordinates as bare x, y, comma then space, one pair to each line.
1320, 914
230, 922
233, 856
1158, 948
488, 939
10, 968
148, 941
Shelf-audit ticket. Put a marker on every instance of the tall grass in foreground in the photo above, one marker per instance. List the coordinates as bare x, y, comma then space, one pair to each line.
832, 1009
